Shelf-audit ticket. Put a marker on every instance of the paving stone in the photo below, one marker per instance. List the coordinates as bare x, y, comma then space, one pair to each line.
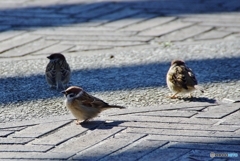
150, 23
217, 147
159, 108
17, 41
88, 140
164, 154
212, 35
190, 133
126, 12
100, 11
57, 48
9, 140
64, 134
13, 128
111, 145
218, 111
28, 48
229, 29
195, 139
34, 155
220, 24
37, 22
39, 130
130, 20
8, 35
180, 126
28, 14
26, 123
99, 38
24, 148
165, 28
136, 150
200, 121
217, 18
83, 31
173, 113
89, 47
5, 133
105, 43
185, 33
76, 9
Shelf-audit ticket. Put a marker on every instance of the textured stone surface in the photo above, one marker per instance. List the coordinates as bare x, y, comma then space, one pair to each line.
120, 52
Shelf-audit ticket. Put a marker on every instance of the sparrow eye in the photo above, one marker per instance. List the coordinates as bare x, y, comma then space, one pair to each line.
71, 95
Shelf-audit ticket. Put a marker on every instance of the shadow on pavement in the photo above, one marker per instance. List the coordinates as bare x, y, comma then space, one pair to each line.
43, 15
34, 87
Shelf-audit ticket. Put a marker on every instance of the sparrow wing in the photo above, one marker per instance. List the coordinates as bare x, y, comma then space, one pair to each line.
66, 72
50, 73
190, 77
91, 101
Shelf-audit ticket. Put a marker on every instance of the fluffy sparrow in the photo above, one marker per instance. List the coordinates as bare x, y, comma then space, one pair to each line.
57, 72
83, 106
181, 79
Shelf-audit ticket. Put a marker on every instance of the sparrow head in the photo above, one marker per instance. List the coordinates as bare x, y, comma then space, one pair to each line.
177, 62
72, 92
56, 57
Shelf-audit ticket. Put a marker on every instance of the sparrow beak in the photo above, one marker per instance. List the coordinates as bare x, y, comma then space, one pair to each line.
63, 92
48, 57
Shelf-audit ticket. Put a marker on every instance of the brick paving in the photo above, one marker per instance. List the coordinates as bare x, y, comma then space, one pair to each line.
188, 131
149, 133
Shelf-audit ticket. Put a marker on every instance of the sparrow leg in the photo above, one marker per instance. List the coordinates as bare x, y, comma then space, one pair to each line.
190, 95
78, 122
174, 96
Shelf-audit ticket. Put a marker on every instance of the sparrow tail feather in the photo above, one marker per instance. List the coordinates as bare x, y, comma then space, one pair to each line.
115, 106
199, 88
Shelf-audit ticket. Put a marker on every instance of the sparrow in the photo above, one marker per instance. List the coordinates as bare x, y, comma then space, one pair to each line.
84, 106
57, 72
181, 79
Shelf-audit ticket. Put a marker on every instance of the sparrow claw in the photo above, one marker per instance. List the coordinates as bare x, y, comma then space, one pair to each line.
78, 122
173, 97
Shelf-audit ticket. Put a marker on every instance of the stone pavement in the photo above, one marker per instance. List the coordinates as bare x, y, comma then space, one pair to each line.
188, 131
36, 27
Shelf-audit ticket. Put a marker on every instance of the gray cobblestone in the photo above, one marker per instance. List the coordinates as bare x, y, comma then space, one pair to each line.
5, 133
232, 148
63, 134
185, 33
195, 139
218, 111
34, 155
24, 148
212, 35
39, 130
180, 126
28, 48
165, 29
190, 133
136, 150
164, 154
148, 24
11, 140
113, 144
17, 41
73, 146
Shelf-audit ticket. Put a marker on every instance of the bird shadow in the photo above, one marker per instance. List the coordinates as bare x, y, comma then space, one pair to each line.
98, 124
198, 99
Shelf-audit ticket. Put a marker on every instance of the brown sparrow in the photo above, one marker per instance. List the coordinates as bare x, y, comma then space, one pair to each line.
83, 106
181, 79
57, 72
